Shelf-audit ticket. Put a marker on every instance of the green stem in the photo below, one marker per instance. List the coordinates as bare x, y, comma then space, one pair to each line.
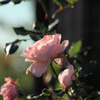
53, 70
60, 97
45, 9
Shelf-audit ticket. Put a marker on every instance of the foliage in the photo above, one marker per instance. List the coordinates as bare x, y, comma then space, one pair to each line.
78, 90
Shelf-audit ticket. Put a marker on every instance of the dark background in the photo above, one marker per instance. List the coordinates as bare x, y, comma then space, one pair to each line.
80, 23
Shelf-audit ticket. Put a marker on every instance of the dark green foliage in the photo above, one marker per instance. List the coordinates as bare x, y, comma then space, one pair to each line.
73, 1
78, 90
39, 30
64, 2
59, 92
87, 69
4, 2
22, 31
40, 27
16, 1
33, 34
45, 93
7, 1
60, 2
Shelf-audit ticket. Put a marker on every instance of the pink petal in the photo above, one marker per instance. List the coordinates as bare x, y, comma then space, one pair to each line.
60, 61
63, 46
61, 77
38, 68
59, 36
50, 40
49, 53
55, 40
72, 72
30, 47
25, 54
47, 38
69, 66
28, 53
29, 60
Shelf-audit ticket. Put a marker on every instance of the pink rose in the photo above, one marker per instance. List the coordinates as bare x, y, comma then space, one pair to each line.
11, 82
9, 90
65, 77
42, 52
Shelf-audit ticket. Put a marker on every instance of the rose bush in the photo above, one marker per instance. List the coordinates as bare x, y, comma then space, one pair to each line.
9, 90
65, 77
42, 52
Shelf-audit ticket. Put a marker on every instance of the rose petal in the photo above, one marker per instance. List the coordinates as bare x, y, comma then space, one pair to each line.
48, 41
25, 54
61, 77
69, 66
63, 46
29, 60
49, 53
55, 40
38, 68
9, 90
51, 38
60, 61
11, 82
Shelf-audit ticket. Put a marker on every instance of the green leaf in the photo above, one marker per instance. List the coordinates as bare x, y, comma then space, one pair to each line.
56, 68
58, 2
33, 34
40, 27
16, 1
64, 97
75, 48
84, 51
46, 92
87, 69
4, 2
72, 1
7, 1
22, 31
55, 65
59, 92
10, 48
57, 86
35, 38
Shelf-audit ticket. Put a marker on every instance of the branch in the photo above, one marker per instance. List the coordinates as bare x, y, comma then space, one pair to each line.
61, 8
45, 9
53, 70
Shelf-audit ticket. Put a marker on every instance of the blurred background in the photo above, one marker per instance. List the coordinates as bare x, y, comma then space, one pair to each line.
14, 66
82, 22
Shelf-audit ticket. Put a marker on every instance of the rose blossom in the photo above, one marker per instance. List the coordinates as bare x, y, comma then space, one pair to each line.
65, 77
9, 90
42, 52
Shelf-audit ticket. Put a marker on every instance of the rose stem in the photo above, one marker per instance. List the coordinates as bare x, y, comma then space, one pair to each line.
53, 70
45, 9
